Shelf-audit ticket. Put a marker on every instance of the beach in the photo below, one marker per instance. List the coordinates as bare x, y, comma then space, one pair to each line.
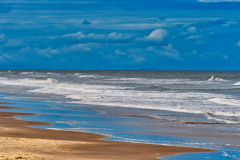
111, 79
120, 114
19, 141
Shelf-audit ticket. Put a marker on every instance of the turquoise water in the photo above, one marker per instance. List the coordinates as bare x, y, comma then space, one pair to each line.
222, 155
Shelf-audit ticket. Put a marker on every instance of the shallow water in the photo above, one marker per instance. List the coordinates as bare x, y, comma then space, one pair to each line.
193, 108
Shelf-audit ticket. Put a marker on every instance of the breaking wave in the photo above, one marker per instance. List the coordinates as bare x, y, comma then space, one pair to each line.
80, 75
237, 83
27, 72
213, 78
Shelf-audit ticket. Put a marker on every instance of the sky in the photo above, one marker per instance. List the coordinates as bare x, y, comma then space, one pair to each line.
120, 34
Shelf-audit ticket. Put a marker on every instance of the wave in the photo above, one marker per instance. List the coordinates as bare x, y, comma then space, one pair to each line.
237, 83
213, 78
127, 96
51, 80
27, 72
226, 101
27, 82
80, 75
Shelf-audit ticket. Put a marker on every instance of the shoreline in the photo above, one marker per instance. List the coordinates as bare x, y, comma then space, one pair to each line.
20, 141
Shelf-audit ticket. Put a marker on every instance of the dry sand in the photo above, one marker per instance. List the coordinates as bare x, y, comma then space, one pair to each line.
19, 141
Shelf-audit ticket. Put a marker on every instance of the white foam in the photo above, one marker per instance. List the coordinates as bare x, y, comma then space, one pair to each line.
3, 78
80, 75
140, 107
58, 129
27, 73
221, 119
51, 80
153, 81
237, 83
226, 101
228, 114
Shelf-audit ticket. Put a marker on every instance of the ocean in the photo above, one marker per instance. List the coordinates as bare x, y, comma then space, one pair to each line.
181, 108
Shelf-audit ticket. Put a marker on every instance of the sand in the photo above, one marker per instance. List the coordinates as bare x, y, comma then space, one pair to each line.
19, 141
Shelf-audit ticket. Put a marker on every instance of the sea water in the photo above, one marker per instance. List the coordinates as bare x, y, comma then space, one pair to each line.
181, 108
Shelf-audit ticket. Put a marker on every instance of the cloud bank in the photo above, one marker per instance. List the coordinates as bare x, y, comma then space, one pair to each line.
208, 1
105, 34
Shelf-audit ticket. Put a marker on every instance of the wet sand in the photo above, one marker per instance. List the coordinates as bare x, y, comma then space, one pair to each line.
19, 141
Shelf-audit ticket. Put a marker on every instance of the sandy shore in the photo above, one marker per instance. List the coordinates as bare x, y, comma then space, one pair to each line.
19, 141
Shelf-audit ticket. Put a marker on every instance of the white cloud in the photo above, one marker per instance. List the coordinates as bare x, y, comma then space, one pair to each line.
2, 37
13, 43
191, 29
135, 26
9, 58
137, 59
47, 52
28, 49
110, 36
167, 51
117, 51
157, 35
238, 43
194, 37
2, 60
118, 36
81, 35
225, 57
208, 1
77, 47
170, 51
150, 48
200, 42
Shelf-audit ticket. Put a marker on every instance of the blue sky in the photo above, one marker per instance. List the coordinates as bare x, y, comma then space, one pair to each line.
120, 35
